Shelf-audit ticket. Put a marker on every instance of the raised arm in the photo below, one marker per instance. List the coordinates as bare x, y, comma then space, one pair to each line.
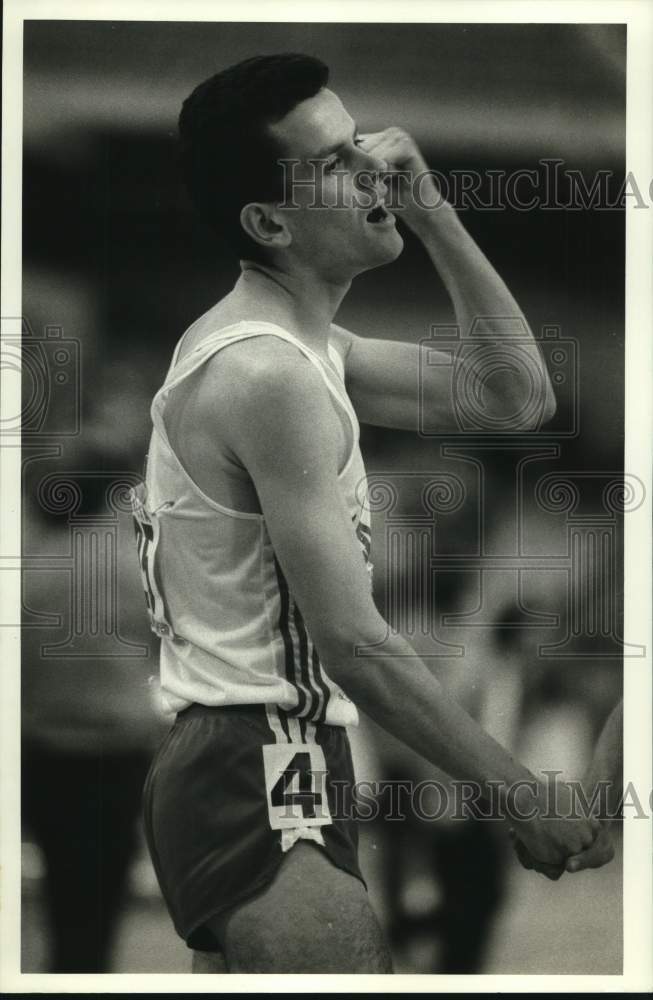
503, 364
281, 427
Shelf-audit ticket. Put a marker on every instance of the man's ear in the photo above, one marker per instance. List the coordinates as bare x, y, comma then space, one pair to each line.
265, 225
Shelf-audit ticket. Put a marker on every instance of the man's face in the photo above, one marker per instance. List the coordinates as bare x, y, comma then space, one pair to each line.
342, 239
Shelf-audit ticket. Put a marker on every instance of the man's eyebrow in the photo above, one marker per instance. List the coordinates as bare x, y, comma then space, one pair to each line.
322, 155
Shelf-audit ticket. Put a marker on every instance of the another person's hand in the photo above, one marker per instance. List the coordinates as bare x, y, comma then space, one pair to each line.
606, 766
550, 838
600, 853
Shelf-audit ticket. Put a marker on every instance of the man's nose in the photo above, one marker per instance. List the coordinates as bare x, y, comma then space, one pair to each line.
373, 170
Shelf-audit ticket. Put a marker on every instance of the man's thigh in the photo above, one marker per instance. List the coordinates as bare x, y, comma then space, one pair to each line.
313, 917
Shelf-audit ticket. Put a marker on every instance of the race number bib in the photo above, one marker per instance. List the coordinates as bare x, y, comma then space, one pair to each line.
295, 785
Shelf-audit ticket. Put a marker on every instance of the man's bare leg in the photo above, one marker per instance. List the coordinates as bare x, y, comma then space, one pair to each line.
313, 917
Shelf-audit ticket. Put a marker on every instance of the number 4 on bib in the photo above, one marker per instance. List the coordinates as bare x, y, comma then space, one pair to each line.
295, 784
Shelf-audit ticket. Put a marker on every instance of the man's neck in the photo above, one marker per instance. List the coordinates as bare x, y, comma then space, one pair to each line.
299, 300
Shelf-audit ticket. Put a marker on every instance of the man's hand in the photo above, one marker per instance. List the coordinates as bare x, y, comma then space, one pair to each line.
553, 832
552, 871
600, 853
416, 194
517, 393
563, 842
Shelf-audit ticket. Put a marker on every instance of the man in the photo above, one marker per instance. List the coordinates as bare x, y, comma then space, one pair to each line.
255, 508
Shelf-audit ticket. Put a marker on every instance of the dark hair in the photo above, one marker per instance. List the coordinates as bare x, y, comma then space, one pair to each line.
228, 155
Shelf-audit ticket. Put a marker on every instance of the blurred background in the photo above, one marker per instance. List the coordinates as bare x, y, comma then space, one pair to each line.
116, 267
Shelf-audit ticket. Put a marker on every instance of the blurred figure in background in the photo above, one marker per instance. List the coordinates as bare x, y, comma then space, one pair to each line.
90, 723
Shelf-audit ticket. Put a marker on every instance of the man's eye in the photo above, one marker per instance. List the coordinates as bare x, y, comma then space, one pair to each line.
358, 141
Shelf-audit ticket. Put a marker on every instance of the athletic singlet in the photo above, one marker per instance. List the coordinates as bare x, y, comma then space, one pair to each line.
231, 631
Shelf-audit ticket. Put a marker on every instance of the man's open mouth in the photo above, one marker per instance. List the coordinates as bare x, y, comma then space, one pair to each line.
377, 214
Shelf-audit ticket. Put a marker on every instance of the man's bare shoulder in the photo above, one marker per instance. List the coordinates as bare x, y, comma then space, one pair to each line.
265, 399
261, 374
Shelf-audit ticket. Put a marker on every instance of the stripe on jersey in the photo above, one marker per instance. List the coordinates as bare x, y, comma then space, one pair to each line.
284, 628
319, 676
311, 663
288, 730
300, 651
276, 724
303, 671
311, 666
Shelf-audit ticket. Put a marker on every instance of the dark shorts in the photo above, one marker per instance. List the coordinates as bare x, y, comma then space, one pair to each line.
222, 799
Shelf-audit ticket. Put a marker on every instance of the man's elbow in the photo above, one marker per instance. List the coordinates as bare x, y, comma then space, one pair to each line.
541, 411
521, 408
343, 646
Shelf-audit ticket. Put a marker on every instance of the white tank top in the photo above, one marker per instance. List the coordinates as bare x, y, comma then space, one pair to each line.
230, 630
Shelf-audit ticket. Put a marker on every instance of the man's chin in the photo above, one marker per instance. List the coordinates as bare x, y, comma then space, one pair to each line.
386, 251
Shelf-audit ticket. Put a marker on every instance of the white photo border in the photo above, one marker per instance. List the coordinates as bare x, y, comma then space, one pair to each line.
638, 741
